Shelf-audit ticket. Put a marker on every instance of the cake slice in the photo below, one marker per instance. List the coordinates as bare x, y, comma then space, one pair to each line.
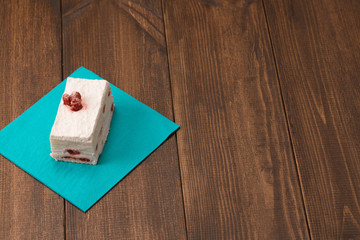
82, 122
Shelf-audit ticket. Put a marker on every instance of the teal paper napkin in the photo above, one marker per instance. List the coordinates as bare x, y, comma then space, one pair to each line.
136, 131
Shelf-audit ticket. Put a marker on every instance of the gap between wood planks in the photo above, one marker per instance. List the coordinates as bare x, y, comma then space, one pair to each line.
287, 120
173, 110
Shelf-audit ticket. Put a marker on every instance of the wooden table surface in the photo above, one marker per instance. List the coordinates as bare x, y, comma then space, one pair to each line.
267, 94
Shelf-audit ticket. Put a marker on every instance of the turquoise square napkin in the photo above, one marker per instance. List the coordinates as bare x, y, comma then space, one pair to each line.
136, 131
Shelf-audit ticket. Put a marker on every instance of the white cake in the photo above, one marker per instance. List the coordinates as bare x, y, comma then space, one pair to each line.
82, 122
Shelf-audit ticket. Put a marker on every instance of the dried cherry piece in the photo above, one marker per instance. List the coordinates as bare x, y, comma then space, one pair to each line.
66, 99
75, 104
73, 100
76, 95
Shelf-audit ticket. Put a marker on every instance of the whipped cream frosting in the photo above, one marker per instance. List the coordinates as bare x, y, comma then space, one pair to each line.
84, 131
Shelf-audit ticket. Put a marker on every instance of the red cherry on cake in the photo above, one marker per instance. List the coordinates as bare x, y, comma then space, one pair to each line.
76, 95
66, 99
73, 100
75, 108
75, 104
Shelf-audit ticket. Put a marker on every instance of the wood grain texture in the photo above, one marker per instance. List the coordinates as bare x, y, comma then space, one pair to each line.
238, 173
123, 42
317, 49
30, 66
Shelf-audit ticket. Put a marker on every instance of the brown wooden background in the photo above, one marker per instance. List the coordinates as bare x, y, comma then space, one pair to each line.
267, 94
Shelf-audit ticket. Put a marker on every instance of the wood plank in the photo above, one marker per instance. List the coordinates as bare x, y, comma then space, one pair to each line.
30, 66
124, 42
317, 49
238, 173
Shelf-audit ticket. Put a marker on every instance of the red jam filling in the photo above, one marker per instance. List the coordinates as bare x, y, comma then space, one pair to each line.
73, 152
74, 158
84, 159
